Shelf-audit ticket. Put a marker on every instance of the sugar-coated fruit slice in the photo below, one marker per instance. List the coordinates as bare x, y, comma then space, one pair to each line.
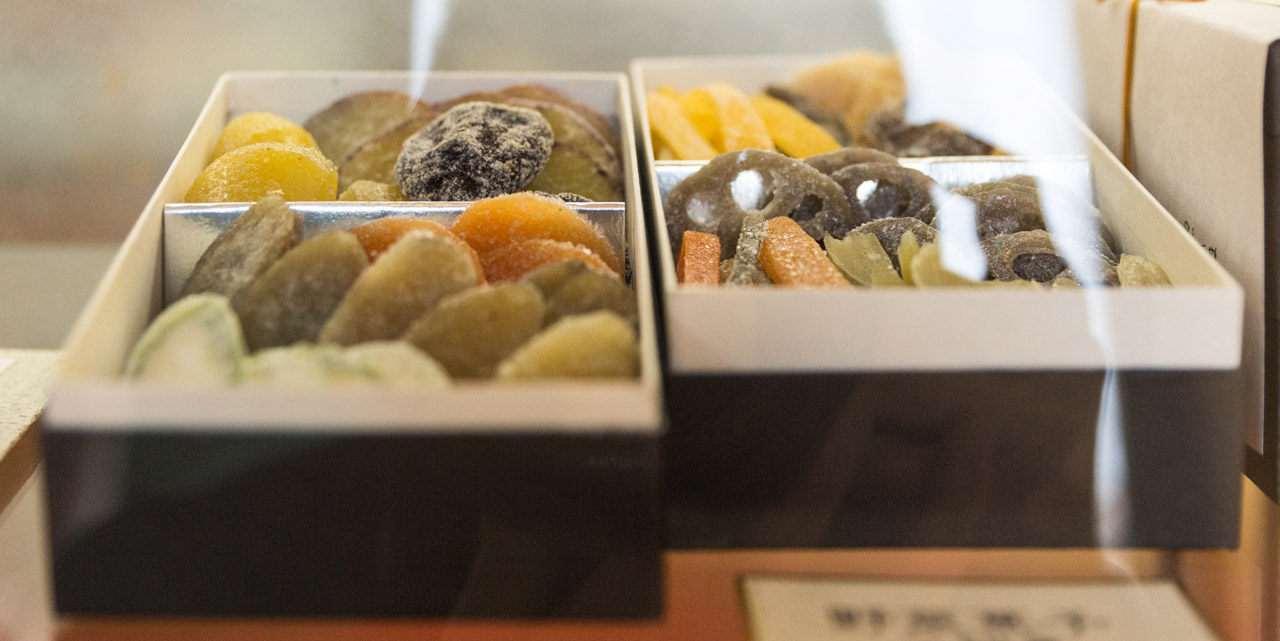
302, 366
591, 116
573, 287
293, 299
405, 283
470, 332
596, 345
700, 109
738, 125
572, 171
248, 173
496, 222
862, 259
246, 248
513, 261
672, 129
699, 262
261, 126
792, 258
345, 124
795, 135
375, 158
370, 191
1136, 271
397, 364
572, 130
196, 341
377, 236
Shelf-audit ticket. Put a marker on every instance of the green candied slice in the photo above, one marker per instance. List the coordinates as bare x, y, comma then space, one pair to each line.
396, 363
375, 158
293, 299
197, 340
572, 287
596, 345
370, 191
1136, 271
862, 260
405, 283
470, 332
570, 170
245, 249
908, 247
571, 129
304, 366
345, 124
927, 270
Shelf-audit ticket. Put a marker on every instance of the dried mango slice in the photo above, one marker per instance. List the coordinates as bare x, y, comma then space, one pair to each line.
375, 158
596, 345
294, 298
572, 287
489, 224
261, 126
700, 108
369, 191
196, 341
670, 128
397, 364
570, 170
517, 259
699, 262
738, 126
862, 259
470, 332
247, 247
792, 258
345, 124
377, 236
1136, 271
405, 283
251, 172
795, 135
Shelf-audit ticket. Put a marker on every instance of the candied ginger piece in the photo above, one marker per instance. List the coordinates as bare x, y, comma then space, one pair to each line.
862, 259
672, 129
245, 249
793, 133
470, 332
699, 262
377, 236
792, 258
738, 126
196, 340
517, 259
1136, 271
573, 287
261, 126
489, 224
596, 345
369, 191
248, 173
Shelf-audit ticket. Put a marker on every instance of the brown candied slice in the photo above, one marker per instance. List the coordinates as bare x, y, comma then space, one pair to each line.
888, 131
1033, 256
889, 232
245, 249
471, 331
899, 191
473, 96
571, 129
597, 121
293, 299
828, 121
406, 282
569, 170
475, 150
833, 161
705, 201
375, 158
1004, 208
572, 287
564, 197
345, 124
747, 269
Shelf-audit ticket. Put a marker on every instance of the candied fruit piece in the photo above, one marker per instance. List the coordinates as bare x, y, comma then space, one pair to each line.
672, 129
862, 259
294, 298
245, 249
397, 364
573, 287
377, 236
887, 130
1004, 208
1136, 271
795, 135
890, 230
792, 258
470, 332
474, 150
496, 222
369, 191
570, 170
261, 126
854, 86
831, 162
345, 124
248, 173
571, 130
301, 366
375, 158
699, 262
196, 341
706, 200
738, 125
746, 268
828, 121
1033, 256
513, 261
596, 345
927, 270
543, 93
405, 283
896, 191
700, 109
908, 247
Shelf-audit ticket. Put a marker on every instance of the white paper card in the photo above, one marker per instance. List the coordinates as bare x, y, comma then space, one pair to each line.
869, 610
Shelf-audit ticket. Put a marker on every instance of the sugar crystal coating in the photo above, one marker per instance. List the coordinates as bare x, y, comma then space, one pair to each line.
1033, 256
572, 130
471, 331
792, 258
596, 345
248, 173
475, 150
898, 191
197, 340
543, 93
699, 262
889, 231
375, 158
489, 224
573, 287
245, 249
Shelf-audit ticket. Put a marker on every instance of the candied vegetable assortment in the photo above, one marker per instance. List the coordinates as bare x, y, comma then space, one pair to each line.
377, 236
573, 287
248, 173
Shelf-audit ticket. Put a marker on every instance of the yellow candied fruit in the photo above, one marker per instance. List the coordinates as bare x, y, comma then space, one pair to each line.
672, 130
738, 126
793, 133
700, 109
253, 171
261, 126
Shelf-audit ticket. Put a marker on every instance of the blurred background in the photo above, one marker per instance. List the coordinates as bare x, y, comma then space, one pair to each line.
96, 97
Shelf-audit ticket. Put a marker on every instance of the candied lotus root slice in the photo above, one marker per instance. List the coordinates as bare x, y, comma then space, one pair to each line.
573, 287
470, 332
889, 232
887, 190
699, 262
792, 258
517, 259
831, 162
1004, 207
710, 200
489, 224
377, 236
475, 150
1033, 256
344, 125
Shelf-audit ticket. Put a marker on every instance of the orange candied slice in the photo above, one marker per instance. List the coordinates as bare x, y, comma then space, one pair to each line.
699, 262
249, 173
497, 222
377, 236
792, 258
793, 133
738, 126
513, 261
672, 129
261, 126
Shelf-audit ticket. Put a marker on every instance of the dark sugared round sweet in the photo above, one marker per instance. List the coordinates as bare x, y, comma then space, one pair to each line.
889, 232
474, 150
705, 200
1033, 256
1015, 204
899, 191
833, 161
